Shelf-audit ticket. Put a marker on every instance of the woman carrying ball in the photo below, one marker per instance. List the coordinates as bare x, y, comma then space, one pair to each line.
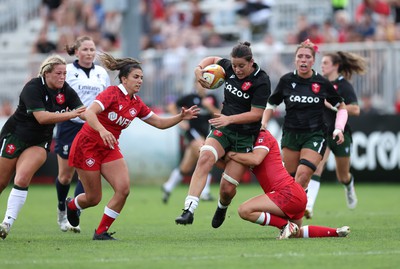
247, 88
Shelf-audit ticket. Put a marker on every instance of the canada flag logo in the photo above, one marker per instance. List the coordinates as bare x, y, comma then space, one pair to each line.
10, 149
315, 87
133, 112
90, 162
60, 98
246, 86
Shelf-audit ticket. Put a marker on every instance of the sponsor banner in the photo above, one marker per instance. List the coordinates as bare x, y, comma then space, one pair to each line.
375, 153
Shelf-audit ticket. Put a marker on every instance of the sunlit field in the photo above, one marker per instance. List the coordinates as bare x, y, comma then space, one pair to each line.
149, 238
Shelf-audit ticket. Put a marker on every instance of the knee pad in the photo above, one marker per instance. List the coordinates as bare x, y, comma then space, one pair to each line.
212, 149
308, 164
230, 179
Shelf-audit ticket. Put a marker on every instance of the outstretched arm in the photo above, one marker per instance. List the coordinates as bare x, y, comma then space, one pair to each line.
164, 123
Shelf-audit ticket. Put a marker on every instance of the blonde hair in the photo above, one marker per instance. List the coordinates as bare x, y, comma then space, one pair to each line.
48, 65
308, 44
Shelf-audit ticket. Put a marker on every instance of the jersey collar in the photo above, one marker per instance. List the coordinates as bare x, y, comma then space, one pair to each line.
124, 91
314, 73
76, 64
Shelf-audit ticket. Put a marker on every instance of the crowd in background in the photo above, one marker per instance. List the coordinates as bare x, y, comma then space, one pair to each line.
176, 27
164, 22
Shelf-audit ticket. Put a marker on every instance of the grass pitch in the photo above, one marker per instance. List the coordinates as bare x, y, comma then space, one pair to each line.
149, 238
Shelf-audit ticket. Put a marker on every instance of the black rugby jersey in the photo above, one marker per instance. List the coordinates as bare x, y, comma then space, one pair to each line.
346, 91
200, 124
35, 96
304, 100
242, 94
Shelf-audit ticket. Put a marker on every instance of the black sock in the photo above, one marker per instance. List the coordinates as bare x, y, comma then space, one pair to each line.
79, 188
62, 192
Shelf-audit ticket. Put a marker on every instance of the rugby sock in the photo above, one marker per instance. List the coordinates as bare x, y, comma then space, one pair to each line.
79, 188
271, 220
62, 193
318, 231
108, 218
16, 200
191, 203
73, 205
351, 183
313, 189
221, 205
174, 179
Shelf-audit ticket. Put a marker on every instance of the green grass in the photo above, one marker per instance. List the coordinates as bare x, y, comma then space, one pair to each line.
149, 238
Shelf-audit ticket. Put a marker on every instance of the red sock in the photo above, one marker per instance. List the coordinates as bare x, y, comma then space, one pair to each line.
71, 205
105, 223
319, 231
275, 221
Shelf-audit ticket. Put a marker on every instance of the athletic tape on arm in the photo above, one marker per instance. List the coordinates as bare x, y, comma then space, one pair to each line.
341, 119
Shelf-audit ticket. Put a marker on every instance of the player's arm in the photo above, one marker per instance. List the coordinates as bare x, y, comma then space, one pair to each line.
46, 117
221, 120
353, 109
252, 159
91, 118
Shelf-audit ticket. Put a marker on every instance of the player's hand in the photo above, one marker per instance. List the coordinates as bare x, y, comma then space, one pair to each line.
190, 113
219, 120
338, 136
108, 138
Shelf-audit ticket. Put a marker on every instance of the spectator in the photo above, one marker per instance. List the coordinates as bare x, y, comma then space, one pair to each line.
338, 5
376, 7
43, 44
329, 33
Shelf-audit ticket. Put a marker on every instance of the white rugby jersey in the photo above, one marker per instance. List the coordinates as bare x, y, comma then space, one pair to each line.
86, 87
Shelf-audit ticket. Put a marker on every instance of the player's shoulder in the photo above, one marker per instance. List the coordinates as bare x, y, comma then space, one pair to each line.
100, 69
71, 67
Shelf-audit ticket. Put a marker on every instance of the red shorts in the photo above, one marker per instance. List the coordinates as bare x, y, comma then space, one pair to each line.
89, 154
292, 200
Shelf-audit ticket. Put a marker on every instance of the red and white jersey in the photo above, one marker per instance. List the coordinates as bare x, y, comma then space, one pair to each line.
118, 111
270, 173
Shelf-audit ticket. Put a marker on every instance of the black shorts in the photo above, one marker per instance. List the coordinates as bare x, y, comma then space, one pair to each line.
66, 132
296, 141
12, 146
342, 150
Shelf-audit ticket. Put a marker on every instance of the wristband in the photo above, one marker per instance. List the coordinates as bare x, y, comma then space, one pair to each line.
341, 119
336, 132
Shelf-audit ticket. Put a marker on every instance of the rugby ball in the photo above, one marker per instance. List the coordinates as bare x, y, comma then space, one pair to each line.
215, 75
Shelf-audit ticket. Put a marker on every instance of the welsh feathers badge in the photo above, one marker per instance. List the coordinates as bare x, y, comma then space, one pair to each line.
60, 98
315, 87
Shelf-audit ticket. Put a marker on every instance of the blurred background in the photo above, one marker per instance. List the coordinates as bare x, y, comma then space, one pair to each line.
169, 37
